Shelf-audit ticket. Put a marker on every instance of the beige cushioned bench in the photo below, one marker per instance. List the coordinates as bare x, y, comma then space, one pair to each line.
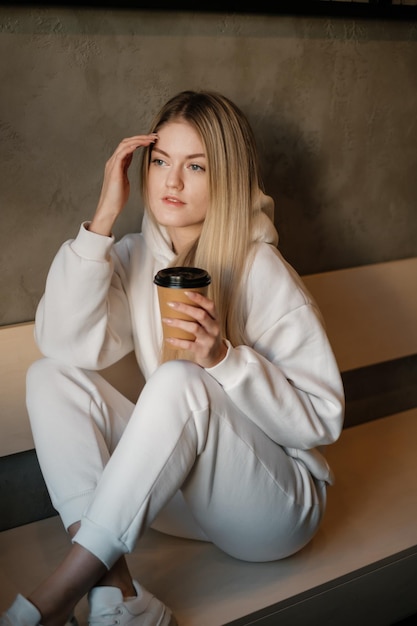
362, 565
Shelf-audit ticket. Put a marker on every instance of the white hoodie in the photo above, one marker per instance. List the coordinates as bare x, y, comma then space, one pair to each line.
100, 303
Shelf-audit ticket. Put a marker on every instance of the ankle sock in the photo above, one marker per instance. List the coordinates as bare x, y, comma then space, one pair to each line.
21, 613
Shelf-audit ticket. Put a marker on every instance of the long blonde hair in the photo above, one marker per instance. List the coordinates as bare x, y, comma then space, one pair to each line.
224, 244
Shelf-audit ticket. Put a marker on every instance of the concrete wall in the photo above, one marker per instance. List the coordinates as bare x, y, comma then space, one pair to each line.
332, 101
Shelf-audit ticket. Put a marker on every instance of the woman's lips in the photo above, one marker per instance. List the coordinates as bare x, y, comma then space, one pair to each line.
172, 200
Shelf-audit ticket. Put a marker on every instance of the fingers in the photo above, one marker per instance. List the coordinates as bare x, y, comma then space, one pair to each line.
116, 186
130, 143
208, 346
203, 314
127, 146
200, 300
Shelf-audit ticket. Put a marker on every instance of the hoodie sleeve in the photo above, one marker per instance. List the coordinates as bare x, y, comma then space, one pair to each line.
286, 378
83, 318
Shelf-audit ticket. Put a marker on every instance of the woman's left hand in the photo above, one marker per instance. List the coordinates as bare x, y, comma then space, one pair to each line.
208, 346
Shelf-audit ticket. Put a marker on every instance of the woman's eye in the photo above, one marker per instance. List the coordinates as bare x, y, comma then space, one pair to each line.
159, 162
196, 168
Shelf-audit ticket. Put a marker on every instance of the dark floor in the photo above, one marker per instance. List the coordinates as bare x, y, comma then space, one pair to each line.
409, 621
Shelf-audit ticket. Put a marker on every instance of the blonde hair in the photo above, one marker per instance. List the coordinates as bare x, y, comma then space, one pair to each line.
224, 244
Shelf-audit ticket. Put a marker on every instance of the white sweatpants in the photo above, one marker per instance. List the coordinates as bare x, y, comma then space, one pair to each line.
184, 459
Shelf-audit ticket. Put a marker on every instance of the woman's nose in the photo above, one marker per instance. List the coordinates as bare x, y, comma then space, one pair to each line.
174, 178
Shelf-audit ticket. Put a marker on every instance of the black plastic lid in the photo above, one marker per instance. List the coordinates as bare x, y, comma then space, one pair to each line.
182, 277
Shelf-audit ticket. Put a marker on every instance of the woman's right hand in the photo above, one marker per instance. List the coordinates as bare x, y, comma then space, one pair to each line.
116, 186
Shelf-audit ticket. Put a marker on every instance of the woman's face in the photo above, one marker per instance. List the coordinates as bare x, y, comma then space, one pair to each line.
178, 189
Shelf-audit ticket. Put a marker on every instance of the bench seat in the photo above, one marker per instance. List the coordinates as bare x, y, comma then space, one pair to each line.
360, 567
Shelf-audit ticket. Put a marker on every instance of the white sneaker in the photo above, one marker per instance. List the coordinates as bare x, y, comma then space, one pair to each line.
107, 607
24, 613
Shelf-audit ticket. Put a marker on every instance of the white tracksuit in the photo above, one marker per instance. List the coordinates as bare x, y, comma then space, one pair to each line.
228, 454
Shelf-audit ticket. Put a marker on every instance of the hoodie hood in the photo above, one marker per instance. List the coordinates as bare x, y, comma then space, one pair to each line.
263, 230
157, 240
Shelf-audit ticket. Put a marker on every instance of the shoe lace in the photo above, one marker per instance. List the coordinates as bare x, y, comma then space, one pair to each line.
109, 618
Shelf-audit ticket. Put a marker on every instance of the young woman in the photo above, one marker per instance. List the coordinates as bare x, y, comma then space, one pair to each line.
222, 444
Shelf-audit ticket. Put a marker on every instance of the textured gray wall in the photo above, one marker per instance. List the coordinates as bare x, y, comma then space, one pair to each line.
333, 103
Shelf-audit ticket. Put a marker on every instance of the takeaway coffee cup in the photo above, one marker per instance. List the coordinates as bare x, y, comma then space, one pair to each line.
171, 283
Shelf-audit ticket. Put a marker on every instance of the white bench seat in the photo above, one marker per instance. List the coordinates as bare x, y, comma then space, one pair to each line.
361, 568
370, 314
370, 526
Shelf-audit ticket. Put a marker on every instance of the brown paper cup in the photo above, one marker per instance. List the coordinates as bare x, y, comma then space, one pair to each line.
171, 285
